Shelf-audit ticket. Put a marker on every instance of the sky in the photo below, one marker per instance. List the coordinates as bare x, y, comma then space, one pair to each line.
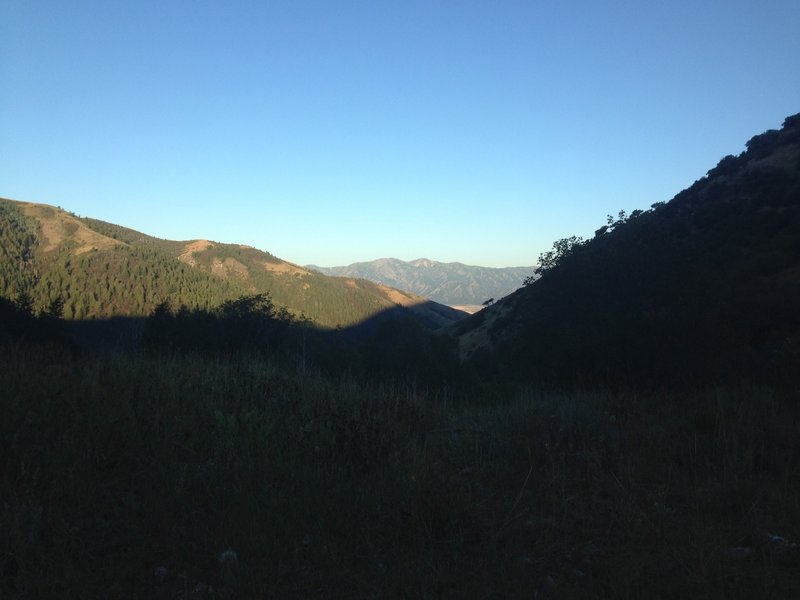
335, 131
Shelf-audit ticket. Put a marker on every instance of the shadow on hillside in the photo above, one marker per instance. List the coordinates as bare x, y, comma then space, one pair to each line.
398, 343
128, 333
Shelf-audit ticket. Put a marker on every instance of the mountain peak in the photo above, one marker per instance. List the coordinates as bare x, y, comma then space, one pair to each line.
425, 263
454, 284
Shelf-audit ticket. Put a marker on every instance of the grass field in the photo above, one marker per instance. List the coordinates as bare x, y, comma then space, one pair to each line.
179, 476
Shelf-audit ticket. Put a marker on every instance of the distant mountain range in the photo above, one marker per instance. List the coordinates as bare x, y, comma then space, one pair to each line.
102, 270
454, 284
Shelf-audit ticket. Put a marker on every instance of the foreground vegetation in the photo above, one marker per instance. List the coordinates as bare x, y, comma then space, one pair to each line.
175, 475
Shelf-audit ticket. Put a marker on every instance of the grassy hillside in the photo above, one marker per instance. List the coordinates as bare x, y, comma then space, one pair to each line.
49, 254
174, 476
103, 270
702, 288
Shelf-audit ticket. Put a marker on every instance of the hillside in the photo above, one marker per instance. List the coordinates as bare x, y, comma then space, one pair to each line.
704, 288
102, 270
454, 284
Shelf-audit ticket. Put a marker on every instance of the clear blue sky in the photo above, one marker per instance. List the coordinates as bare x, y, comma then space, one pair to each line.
338, 130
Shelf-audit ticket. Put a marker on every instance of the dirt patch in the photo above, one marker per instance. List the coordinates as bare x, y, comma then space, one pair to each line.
284, 267
59, 227
230, 267
236, 268
189, 249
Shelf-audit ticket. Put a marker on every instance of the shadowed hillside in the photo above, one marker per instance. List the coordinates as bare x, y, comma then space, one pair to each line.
704, 288
103, 270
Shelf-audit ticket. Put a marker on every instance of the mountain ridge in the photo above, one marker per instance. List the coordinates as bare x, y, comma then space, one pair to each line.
451, 283
101, 270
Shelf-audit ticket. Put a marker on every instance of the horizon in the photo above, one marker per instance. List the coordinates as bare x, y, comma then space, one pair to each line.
304, 265
413, 260
328, 134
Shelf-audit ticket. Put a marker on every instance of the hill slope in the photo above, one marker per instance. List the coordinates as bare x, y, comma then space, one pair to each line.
454, 284
101, 270
702, 288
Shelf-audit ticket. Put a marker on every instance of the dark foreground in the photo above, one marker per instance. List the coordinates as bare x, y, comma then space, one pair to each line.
179, 476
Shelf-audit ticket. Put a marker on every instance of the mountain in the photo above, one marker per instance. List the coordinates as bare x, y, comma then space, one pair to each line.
454, 284
101, 270
702, 289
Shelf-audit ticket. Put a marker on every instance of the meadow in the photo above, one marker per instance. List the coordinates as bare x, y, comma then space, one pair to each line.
179, 475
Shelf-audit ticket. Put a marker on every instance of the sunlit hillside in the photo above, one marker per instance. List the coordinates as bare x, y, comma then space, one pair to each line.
102, 270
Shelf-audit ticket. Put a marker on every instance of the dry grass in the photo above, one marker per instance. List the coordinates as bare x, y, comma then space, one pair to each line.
59, 227
132, 476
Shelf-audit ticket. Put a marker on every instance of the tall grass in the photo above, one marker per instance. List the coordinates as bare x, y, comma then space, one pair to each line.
177, 476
